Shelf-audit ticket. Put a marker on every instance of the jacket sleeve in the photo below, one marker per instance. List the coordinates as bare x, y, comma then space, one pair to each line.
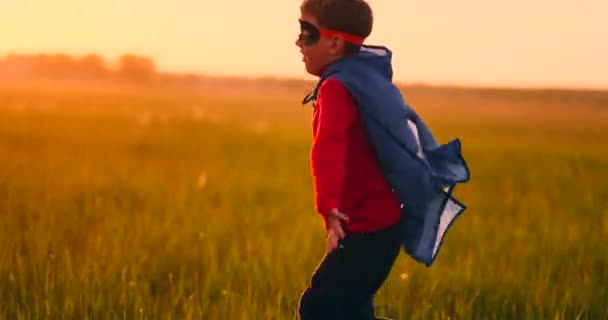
336, 116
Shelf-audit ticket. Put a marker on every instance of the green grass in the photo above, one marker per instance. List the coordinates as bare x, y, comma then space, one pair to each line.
170, 204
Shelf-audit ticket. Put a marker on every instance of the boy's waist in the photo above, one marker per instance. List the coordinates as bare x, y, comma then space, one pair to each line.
372, 212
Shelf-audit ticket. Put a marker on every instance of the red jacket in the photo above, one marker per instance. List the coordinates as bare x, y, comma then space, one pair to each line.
345, 171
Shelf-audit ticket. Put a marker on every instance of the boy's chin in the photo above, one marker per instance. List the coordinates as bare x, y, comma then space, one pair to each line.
313, 71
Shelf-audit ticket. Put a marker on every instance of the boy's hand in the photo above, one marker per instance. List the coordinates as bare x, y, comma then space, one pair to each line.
334, 228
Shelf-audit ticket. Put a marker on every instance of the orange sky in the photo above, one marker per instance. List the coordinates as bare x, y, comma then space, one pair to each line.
469, 42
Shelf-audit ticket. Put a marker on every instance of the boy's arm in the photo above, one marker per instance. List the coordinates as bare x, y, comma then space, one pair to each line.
336, 116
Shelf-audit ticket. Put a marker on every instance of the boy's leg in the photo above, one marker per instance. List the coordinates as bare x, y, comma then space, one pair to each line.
344, 284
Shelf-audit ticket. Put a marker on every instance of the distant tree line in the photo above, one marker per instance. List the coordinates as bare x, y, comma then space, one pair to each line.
92, 66
133, 69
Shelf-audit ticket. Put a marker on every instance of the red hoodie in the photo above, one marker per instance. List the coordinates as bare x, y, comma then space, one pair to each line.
344, 168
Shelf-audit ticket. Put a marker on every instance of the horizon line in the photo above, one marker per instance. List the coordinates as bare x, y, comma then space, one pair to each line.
109, 62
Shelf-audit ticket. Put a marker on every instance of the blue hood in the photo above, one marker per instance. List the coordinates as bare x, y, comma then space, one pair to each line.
421, 172
377, 58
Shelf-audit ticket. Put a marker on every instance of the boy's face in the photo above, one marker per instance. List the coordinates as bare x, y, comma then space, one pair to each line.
317, 51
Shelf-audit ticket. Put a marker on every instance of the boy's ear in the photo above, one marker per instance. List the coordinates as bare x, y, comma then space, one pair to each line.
337, 45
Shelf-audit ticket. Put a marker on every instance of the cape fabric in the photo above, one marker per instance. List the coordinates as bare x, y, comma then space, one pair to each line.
421, 172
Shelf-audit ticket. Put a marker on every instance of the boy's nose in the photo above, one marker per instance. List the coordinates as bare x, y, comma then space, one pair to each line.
297, 43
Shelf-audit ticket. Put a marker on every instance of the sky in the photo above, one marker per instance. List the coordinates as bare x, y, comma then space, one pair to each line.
517, 43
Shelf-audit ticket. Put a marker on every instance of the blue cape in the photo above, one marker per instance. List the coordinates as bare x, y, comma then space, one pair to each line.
421, 172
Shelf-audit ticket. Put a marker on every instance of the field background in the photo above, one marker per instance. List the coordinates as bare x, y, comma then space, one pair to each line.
127, 202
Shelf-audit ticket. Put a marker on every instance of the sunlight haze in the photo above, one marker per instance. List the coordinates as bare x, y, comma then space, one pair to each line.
470, 42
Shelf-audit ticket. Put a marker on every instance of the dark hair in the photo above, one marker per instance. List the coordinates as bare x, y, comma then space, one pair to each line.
350, 16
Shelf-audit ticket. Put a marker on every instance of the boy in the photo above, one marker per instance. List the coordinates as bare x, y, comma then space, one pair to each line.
360, 211
381, 179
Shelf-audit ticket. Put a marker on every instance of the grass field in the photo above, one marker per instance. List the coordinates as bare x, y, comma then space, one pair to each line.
179, 204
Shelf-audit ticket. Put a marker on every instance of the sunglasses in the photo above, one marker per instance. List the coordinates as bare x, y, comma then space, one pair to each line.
310, 34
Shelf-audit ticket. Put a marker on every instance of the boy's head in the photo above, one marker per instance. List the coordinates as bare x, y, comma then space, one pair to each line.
331, 29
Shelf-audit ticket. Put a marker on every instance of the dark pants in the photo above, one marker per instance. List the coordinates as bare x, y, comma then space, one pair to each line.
344, 284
